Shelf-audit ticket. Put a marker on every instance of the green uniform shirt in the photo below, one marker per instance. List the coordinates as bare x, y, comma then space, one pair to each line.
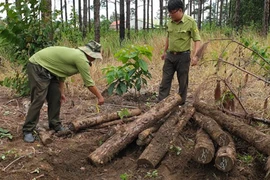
180, 34
64, 62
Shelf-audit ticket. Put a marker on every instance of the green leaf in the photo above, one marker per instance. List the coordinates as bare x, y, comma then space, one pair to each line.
111, 88
3, 131
143, 64
119, 90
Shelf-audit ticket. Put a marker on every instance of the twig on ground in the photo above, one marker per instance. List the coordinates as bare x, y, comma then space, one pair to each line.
40, 176
4, 169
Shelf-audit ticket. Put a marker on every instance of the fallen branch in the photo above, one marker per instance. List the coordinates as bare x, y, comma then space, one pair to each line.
4, 169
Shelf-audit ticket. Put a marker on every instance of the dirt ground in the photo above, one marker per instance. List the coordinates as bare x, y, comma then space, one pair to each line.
66, 158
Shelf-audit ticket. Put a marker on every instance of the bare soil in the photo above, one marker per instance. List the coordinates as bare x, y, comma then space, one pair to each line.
66, 157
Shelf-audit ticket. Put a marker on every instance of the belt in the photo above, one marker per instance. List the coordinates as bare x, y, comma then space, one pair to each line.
176, 53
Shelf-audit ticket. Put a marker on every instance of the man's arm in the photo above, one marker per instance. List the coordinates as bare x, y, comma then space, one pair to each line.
95, 91
194, 60
61, 88
165, 48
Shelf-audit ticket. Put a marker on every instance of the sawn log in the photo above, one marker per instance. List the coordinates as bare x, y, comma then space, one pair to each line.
226, 157
212, 128
160, 144
122, 138
79, 124
256, 138
204, 149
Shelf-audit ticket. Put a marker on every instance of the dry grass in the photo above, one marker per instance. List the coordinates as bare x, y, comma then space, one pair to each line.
202, 77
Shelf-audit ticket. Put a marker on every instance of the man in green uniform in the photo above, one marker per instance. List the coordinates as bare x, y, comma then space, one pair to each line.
47, 70
181, 29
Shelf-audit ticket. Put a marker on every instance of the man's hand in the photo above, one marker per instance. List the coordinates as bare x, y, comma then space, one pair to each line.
194, 61
63, 98
100, 100
163, 56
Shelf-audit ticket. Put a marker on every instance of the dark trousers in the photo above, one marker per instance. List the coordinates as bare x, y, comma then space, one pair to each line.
43, 86
178, 63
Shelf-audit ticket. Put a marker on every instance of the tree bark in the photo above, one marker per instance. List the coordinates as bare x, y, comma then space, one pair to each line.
256, 138
45, 136
116, 122
121, 139
145, 141
79, 124
159, 145
97, 19
167, 133
226, 157
204, 149
212, 128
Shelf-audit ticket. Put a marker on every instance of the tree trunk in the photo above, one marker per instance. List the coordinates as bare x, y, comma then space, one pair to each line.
84, 29
97, 19
128, 18
46, 15
237, 15
116, 16
145, 141
79, 124
116, 122
136, 16
121, 139
80, 14
256, 138
220, 14
165, 136
122, 21
200, 15
212, 128
144, 134
204, 149
159, 145
161, 13
73, 11
45, 136
226, 157
266, 18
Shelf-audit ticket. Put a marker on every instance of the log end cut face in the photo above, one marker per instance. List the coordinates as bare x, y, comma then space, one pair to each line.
224, 163
203, 155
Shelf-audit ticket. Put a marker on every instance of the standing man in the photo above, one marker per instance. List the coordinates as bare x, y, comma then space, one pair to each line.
181, 29
47, 70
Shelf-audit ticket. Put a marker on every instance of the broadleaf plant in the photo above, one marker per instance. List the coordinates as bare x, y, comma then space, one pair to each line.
132, 73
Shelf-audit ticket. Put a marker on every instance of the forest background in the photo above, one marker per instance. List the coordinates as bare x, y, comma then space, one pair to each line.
29, 26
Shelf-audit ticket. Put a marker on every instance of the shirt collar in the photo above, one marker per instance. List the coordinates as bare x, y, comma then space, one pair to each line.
182, 20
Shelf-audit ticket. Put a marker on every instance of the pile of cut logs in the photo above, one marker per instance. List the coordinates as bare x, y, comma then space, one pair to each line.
166, 120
